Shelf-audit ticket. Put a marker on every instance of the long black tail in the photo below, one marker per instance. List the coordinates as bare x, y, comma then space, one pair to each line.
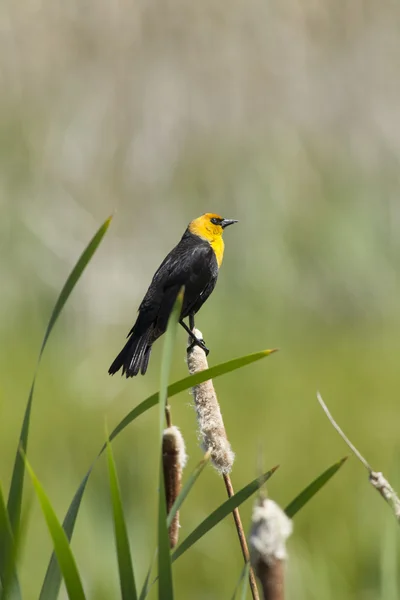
134, 356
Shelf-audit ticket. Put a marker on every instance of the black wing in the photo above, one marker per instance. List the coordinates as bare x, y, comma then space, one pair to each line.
191, 263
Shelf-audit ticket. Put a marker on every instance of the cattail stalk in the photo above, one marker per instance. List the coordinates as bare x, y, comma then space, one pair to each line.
214, 439
174, 460
270, 529
211, 426
376, 478
241, 536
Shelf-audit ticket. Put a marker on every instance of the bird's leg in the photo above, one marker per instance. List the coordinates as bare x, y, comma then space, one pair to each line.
200, 344
191, 327
186, 328
195, 340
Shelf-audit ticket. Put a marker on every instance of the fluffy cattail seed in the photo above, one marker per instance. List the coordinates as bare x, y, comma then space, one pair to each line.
211, 425
270, 530
174, 460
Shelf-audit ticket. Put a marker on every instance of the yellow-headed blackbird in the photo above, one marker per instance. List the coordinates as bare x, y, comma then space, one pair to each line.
193, 263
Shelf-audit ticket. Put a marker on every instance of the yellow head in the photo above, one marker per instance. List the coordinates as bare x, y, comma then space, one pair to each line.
210, 227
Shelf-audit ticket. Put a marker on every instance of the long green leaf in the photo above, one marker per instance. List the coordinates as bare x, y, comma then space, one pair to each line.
165, 585
310, 491
166, 360
17, 481
187, 383
146, 583
126, 575
187, 487
8, 572
51, 584
74, 277
221, 512
245, 584
175, 507
243, 579
61, 545
52, 580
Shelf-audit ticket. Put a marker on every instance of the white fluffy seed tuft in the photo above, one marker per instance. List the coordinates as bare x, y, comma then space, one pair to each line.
173, 441
270, 529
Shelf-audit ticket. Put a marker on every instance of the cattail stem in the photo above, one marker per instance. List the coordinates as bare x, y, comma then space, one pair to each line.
242, 537
215, 440
168, 415
211, 425
376, 478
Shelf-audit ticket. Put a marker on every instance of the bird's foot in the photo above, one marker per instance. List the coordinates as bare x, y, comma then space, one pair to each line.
200, 343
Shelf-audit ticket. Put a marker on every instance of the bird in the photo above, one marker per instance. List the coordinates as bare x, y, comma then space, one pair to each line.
194, 263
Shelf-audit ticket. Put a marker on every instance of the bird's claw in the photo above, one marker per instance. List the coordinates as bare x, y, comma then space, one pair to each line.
200, 343
204, 347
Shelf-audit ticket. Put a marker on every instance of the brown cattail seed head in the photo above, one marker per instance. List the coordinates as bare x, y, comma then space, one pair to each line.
174, 460
270, 530
211, 426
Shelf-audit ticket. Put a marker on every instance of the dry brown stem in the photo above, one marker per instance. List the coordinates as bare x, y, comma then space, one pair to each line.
168, 418
241, 536
376, 478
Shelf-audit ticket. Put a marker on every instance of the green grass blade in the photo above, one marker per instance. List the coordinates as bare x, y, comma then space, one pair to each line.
310, 491
166, 361
213, 372
126, 575
8, 552
74, 277
51, 584
165, 585
187, 487
17, 481
61, 545
188, 382
52, 580
245, 585
146, 586
243, 579
221, 512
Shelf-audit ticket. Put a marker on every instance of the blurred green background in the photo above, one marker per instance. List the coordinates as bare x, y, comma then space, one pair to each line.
283, 115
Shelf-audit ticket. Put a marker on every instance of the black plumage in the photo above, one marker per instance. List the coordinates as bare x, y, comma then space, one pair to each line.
193, 264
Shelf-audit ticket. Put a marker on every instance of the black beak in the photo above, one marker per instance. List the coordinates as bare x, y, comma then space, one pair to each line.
226, 222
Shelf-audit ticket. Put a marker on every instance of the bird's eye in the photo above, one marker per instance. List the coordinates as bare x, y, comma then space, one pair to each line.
215, 221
